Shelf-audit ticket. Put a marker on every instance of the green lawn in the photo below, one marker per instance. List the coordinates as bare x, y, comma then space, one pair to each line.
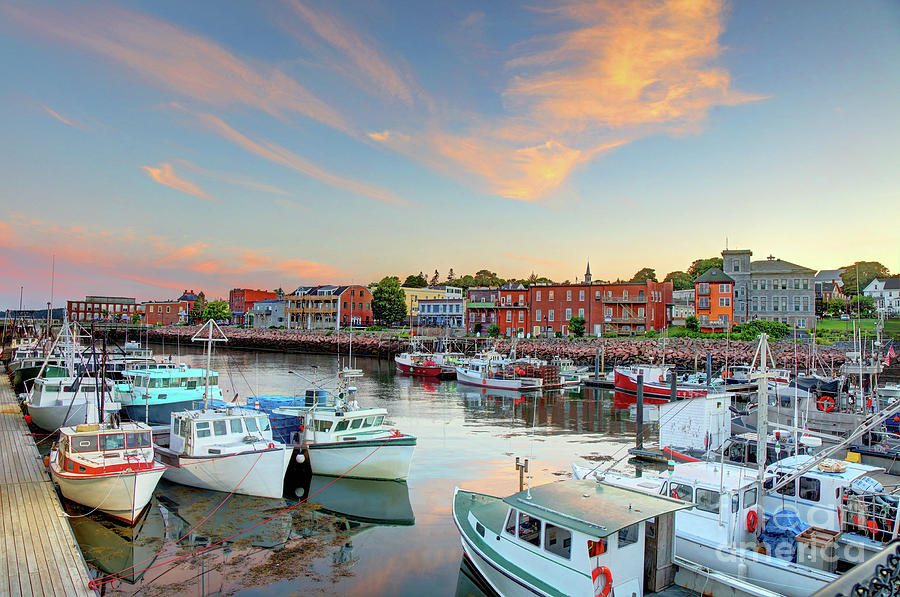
891, 326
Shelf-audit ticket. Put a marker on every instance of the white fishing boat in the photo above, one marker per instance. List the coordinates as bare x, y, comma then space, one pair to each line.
63, 401
107, 467
225, 449
496, 374
568, 539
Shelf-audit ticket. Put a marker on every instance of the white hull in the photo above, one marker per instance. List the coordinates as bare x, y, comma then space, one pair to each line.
265, 479
475, 378
388, 462
123, 496
504, 585
51, 418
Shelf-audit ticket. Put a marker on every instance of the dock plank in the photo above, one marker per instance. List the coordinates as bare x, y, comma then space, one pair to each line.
40, 557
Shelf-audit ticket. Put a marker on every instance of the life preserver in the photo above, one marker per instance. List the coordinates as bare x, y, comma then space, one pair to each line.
869, 403
752, 519
271, 445
607, 581
825, 403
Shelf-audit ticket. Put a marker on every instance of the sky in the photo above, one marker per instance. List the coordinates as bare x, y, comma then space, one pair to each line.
153, 147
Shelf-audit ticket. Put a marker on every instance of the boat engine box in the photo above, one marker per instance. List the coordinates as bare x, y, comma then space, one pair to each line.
816, 548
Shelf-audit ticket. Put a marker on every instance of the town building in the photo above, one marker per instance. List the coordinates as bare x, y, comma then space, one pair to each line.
442, 313
886, 294
414, 295
328, 307
682, 306
482, 304
189, 297
782, 291
736, 265
267, 313
628, 308
553, 306
241, 301
105, 308
513, 315
714, 300
165, 312
829, 285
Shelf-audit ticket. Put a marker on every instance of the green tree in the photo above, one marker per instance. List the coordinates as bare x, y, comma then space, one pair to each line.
692, 323
494, 330
699, 266
217, 310
435, 279
868, 271
644, 274
486, 277
196, 313
576, 326
136, 318
450, 276
466, 282
835, 306
388, 301
863, 305
415, 281
680, 280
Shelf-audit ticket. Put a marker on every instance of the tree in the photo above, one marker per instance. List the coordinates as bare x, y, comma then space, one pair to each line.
494, 330
486, 277
835, 306
680, 280
196, 313
279, 291
388, 301
692, 323
415, 281
466, 282
217, 310
576, 326
136, 318
868, 271
699, 266
864, 305
451, 276
642, 275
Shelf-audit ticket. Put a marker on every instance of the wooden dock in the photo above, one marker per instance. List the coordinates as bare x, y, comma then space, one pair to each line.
38, 552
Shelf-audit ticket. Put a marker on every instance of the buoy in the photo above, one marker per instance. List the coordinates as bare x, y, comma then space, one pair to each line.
300, 458
47, 461
28, 419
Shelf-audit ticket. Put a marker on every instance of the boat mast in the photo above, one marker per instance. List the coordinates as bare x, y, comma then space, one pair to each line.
762, 413
209, 343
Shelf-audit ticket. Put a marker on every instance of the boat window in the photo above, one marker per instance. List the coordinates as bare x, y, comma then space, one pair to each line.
789, 489
87, 389
220, 428
707, 500
749, 497
112, 441
190, 383
84, 443
341, 426
251, 424
680, 491
558, 541
809, 489
629, 534
263, 423
529, 529
511, 522
137, 440
369, 422
177, 424
736, 451
202, 428
479, 528
213, 380
51, 388
355, 423
324, 426
735, 502
379, 420
236, 426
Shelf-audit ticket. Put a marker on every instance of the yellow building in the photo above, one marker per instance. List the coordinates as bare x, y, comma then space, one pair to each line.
414, 295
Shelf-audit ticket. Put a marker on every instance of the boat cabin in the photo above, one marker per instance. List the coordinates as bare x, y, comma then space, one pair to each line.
741, 450
58, 391
158, 378
213, 432
98, 449
330, 425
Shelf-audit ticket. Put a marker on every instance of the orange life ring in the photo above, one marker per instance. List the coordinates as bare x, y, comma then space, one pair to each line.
607, 578
271, 445
825, 403
752, 519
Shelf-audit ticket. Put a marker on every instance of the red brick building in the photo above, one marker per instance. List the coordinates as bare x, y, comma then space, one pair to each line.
328, 307
104, 308
552, 306
626, 308
166, 312
242, 300
482, 304
513, 316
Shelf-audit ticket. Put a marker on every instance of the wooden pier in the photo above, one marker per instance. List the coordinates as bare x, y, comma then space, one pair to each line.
38, 552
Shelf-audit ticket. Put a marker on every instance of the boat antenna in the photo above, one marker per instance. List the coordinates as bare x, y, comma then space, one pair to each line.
762, 410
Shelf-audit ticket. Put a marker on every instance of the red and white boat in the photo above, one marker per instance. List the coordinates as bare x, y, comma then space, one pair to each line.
656, 385
107, 467
420, 364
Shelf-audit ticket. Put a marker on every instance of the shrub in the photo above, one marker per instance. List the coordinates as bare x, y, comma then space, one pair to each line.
494, 330
692, 323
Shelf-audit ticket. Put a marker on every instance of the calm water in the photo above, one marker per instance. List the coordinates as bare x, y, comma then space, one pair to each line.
354, 537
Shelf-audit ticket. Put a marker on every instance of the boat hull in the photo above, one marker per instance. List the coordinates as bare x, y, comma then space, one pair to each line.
368, 459
159, 414
474, 378
501, 582
51, 418
227, 473
419, 370
657, 391
120, 495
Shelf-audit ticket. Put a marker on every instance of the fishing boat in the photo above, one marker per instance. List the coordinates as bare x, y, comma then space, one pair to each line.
656, 383
57, 402
418, 364
566, 539
152, 395
344, 439
224, 449
107, 467
496, 374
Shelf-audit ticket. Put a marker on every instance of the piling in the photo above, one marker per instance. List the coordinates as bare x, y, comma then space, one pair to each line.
597, 365
639, 415
673, 385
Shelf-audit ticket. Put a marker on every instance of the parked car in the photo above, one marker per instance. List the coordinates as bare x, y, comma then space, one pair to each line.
845, 317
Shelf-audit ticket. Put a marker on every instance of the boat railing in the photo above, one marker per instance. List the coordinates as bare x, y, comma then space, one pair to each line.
872, 515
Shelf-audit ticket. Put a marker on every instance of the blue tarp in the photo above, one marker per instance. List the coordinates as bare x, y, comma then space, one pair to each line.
779, 532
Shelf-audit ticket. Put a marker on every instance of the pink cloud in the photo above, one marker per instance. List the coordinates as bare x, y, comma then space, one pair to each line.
67, 121
166, 176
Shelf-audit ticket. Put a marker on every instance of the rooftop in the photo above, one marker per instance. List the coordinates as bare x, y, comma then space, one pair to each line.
592, 508
715, 275
773, 265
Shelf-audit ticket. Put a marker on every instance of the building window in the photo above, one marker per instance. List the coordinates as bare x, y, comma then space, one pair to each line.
797, 303
805, 283
724, 301
763, 303
168, 309
537, 315
568, 295
806, 304
703, 302
508, 316
549, 295
784, 284
796, 283
550, 315
596, 295
736, 265
151, 308
754, 285
568, 314
580, 295
641, 312
521, 316
581, 313
724, 288
784, 306
702, 288
537, 296
754, 304
775, 303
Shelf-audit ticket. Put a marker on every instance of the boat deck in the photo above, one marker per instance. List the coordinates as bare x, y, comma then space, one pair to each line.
38, 552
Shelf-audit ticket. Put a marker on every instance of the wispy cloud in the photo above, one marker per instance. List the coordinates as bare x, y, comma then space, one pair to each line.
280, 155
231, 178
163, 174
63, 119
184, 62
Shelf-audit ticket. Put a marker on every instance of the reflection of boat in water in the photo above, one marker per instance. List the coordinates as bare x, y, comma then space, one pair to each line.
363, 500
470, 583
111, 547
474, 394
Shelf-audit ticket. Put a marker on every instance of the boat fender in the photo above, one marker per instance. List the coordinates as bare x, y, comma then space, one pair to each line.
271, 445
752, 520
607, 581
47, 461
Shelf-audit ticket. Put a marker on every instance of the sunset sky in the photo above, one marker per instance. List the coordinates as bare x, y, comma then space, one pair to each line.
169, 145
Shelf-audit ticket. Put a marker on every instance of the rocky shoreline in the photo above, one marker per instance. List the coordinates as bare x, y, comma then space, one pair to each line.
686, 352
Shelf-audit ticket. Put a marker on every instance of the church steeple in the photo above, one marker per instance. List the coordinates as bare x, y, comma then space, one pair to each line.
587, 274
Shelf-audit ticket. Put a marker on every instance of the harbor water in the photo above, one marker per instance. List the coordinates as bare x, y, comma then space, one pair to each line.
347, 536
